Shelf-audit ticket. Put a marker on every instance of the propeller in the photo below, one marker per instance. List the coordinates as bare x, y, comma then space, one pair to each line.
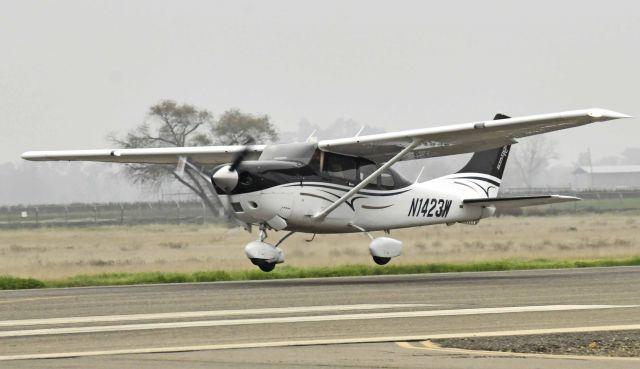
227, 179
239, 158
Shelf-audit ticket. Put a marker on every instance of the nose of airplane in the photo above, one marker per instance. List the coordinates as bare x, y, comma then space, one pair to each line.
225, 178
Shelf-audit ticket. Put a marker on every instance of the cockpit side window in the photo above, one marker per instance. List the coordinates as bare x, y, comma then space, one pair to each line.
339, 166
365, 169
354, 170
384, 181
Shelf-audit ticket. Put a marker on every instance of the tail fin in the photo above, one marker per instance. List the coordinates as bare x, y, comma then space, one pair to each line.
491, 162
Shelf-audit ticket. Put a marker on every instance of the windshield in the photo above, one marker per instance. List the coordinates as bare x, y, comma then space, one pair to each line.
300, 152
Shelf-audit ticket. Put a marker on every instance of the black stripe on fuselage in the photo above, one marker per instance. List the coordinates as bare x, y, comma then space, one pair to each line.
495, 183
331, 193
316, 196
486, 190
303, 184
466, 185
375, 207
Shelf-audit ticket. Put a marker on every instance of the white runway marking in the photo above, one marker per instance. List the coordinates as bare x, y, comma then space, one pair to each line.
203, 314
297, 319
424, 337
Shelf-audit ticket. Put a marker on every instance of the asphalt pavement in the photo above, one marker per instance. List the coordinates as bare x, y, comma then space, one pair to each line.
358, 322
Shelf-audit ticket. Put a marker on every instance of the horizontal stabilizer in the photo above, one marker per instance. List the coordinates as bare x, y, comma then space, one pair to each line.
520, 201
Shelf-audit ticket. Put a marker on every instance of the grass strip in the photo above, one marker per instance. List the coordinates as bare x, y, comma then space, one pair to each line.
14, 283
283, 272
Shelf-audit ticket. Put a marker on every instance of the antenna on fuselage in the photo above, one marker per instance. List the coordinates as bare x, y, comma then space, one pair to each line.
360, 131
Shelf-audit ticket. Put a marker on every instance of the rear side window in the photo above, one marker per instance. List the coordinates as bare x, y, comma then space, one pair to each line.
365, 170
386, 180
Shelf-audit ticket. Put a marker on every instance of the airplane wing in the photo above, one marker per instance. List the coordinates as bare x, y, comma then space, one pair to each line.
462, 138
201, 155
520, 201
438, 141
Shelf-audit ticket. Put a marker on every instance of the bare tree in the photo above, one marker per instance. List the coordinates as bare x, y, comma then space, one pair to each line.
169, 124
532, 156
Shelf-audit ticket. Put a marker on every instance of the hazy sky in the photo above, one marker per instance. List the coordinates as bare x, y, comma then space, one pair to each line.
71, 72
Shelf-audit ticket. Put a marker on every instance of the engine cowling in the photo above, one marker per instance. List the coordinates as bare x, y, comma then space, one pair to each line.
251, 192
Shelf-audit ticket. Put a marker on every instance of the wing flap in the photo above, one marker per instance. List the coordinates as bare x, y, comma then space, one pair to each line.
203, 155
520, 201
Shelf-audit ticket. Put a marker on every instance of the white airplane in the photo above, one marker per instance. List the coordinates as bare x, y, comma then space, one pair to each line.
347, 185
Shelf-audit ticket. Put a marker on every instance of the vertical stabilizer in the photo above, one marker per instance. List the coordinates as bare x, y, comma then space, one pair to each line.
490, 162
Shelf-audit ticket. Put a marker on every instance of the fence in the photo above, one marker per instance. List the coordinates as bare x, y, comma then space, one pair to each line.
592, 200
195, 212
107, 214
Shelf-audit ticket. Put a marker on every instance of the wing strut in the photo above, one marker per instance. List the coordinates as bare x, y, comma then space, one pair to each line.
323, 214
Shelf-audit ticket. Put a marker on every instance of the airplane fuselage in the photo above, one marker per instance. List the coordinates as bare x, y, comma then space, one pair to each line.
295, 193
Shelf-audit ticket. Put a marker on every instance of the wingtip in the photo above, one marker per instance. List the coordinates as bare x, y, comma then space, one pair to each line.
566, 198
28, 155
608, 114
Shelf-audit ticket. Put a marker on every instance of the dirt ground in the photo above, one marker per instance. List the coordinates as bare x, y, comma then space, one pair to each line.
59, 252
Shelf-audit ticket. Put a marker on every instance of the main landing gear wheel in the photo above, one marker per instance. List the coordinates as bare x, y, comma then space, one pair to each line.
264, 265
381, 260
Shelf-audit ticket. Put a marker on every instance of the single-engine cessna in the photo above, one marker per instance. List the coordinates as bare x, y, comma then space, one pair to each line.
347, 185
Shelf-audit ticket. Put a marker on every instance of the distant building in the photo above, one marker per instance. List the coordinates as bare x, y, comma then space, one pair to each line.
609, 177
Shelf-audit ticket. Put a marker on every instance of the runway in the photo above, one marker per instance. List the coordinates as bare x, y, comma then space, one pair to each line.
359, 322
